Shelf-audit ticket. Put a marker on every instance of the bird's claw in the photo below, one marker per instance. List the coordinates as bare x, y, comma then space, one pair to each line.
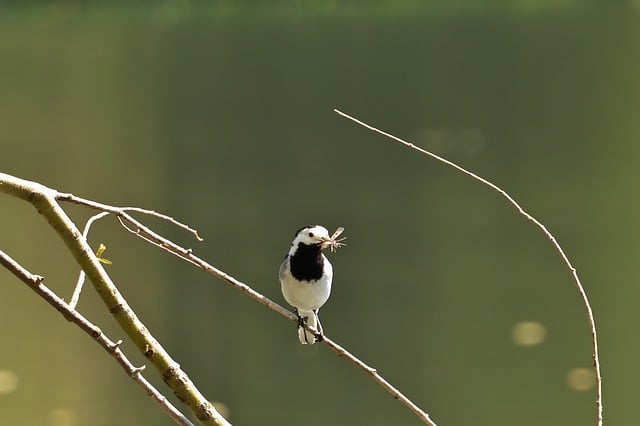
301, 320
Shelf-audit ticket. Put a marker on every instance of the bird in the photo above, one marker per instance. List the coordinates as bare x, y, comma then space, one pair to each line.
306, 275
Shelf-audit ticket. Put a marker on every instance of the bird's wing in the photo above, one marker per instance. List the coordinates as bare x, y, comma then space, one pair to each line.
283, 267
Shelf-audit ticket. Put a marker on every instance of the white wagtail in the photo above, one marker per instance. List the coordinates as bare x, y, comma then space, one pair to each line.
305, 277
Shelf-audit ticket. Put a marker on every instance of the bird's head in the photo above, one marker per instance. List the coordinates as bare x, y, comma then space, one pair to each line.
312, 235
317, 235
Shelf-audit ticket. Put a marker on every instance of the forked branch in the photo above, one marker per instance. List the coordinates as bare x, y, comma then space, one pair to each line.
45, 200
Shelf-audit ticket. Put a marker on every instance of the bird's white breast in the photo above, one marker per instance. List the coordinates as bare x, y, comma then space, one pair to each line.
306, 295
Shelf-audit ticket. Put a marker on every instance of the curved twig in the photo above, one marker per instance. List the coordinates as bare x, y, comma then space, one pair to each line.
537, 223
75, 297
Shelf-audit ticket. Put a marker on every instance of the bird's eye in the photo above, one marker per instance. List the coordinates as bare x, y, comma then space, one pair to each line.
311, 234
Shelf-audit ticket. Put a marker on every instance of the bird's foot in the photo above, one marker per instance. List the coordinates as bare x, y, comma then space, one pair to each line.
301, 320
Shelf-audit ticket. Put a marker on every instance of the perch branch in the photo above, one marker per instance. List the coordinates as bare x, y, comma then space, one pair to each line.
36, 283
537, 223
138, 229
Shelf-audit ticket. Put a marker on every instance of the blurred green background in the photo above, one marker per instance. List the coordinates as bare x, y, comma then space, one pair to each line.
220, 114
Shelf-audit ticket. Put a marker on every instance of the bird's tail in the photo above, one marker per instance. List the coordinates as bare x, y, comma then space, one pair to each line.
311, 319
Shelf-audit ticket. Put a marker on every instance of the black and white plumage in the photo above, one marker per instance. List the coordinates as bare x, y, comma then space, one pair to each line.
305, 277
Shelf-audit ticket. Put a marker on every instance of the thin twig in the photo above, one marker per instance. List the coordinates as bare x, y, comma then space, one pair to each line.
421, 414
165, 217
536, 222
118, 210
36, 283
81, 278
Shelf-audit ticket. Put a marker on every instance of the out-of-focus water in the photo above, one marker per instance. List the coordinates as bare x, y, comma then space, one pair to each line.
224, 120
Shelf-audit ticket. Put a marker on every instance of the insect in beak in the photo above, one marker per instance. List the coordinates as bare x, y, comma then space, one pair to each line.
334, 242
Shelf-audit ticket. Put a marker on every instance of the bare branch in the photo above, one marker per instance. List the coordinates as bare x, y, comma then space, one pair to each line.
537, 223
421, 414
45, 201
157, 240
35, 282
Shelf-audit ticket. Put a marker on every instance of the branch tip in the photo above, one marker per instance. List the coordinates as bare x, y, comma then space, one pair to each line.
115, 345
139, 370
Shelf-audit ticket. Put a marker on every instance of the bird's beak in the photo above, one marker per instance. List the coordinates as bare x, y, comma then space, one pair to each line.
326, 242
333, 242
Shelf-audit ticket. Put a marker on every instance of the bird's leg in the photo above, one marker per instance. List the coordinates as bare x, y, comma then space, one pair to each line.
319, 336
301, 320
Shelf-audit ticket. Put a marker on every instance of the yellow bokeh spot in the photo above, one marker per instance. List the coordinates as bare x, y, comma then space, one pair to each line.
62, 417
528, 333
581, 379
8, 382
